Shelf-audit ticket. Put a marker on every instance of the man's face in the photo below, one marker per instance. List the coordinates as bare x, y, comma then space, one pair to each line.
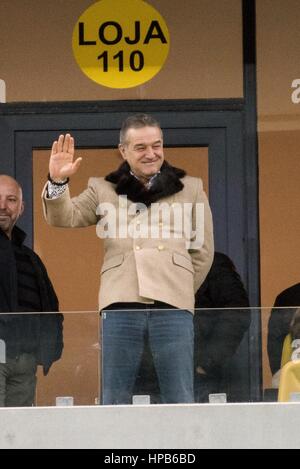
11, 204
143, 151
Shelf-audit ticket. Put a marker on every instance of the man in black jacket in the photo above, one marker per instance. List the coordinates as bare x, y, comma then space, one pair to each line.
221, 320
26, 340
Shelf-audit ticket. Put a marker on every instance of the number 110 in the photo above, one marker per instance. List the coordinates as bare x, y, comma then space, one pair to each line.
136, 60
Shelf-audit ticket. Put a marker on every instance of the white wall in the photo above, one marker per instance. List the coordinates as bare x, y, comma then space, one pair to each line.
168, 426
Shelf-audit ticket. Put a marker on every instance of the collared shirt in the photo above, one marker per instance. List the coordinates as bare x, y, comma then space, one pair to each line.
55, 191
150, 182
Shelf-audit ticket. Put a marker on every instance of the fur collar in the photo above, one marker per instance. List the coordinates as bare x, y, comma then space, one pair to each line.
165, 184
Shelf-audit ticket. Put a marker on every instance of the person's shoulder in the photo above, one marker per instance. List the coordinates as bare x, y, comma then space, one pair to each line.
100, 185
221, 259
222, 264
33, 254
293, 290
96, 181
289, 297
192, 181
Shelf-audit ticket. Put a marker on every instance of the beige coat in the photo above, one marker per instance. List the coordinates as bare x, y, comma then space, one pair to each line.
159, 265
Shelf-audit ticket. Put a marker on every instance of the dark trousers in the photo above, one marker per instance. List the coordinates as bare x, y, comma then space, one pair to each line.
18, 381
206, 385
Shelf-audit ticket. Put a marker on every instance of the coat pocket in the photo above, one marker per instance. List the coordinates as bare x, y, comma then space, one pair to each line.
182, 261
112, 262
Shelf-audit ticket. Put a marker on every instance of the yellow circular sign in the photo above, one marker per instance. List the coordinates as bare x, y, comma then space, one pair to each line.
121, 43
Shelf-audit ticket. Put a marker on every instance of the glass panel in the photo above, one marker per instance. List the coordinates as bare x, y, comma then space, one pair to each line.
140, 365
69, 371
281, 345
146, 356
155, 351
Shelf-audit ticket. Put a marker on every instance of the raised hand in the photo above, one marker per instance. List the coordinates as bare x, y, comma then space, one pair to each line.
61, 164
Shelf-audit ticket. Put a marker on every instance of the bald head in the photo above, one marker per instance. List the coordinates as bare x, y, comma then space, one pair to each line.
5, 179
11, 203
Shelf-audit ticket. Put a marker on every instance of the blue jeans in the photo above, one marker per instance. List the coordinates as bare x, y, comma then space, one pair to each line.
171, 339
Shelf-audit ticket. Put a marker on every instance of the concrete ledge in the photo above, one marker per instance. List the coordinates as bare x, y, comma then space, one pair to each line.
266, 425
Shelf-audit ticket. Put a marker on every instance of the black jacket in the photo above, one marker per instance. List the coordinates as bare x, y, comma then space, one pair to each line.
279, 323
218, 333
49, 326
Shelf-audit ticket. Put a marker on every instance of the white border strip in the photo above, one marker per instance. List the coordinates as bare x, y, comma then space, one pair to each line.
198, 426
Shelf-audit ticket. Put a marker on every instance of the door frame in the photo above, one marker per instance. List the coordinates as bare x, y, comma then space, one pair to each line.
219, 126
220, 131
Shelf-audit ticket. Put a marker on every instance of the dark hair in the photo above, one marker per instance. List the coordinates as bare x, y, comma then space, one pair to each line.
136, 122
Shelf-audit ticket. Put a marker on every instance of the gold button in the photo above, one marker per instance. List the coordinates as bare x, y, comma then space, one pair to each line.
160, 224
137, 248
160, 247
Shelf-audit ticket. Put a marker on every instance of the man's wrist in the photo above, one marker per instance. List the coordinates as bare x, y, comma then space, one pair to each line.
58, 182
54, 191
